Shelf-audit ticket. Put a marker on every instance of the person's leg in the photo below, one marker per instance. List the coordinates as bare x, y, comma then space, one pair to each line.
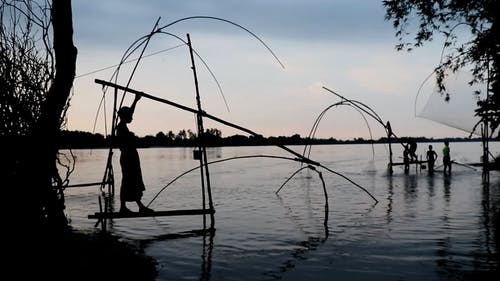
447, 169
123, 207
142, 208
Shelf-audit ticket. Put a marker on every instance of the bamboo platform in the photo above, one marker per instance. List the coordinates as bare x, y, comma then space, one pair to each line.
409, 163
491, 166
118, 215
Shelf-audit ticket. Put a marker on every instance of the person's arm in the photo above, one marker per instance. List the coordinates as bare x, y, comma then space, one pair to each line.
132, 107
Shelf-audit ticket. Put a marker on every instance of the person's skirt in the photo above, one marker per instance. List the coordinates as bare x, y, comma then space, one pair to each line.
132, 184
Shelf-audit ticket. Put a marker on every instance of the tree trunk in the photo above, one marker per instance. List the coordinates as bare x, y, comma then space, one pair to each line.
44, 205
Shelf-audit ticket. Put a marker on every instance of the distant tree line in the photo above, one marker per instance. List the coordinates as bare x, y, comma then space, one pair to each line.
213, 137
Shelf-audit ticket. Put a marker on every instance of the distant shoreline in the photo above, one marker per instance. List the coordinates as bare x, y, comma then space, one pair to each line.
86, 140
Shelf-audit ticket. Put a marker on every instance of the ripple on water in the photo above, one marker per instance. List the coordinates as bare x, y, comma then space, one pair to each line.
423, 228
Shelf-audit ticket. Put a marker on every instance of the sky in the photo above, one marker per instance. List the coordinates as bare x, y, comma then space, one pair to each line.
344, 45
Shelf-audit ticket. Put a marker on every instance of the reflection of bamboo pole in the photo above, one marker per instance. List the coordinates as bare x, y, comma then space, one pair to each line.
204, 114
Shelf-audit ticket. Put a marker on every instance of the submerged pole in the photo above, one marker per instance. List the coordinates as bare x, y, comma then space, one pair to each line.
389, 134
485, 158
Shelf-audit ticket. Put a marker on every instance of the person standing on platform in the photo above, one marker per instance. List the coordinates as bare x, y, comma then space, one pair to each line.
132, 184
412, 149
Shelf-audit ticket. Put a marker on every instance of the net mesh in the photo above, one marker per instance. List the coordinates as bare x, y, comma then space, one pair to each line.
458, 111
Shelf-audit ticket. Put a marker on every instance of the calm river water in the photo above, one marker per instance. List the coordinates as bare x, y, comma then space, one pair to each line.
423, 228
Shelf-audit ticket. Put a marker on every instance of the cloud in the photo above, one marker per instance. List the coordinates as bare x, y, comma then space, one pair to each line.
318, 20
390, 81
345, 45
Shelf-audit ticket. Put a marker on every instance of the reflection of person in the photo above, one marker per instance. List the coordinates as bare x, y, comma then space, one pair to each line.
446, 158
431, 159
132, 184
406, 160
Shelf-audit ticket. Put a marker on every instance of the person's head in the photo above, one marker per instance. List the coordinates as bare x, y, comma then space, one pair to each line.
430, 147
446, 143
125, 114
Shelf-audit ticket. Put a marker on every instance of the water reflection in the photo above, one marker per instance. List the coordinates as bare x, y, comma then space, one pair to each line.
206, 264
430, 185
207, 235
481, 262
428, 228
304, 247
447, 189
464, 230
390, 195
300, 254
489, 260
410, 188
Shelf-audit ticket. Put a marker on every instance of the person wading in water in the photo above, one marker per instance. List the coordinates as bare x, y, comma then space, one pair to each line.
446, 159
431, 159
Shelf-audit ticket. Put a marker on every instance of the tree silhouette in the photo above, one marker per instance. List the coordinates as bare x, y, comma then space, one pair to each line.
38, 67
26, 66
481, 52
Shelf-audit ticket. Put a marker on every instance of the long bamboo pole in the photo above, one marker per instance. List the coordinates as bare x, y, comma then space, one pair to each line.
204, 114
201, 142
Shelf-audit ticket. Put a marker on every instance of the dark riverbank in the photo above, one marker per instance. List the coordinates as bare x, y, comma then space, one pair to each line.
75, 255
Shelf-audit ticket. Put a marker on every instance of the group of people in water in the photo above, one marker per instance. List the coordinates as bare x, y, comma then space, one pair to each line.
410, 156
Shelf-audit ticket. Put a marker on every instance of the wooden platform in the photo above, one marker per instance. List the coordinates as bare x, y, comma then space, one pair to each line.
409, 163
118, 215
491, 166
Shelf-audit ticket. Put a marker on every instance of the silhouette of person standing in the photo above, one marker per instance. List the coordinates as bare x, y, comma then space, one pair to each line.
431, 159
412, 148
132, 184
446, 158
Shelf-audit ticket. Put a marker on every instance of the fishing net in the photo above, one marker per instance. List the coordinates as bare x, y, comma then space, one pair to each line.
456, 112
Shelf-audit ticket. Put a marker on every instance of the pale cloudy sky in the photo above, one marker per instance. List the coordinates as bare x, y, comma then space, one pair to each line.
345, 45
